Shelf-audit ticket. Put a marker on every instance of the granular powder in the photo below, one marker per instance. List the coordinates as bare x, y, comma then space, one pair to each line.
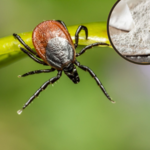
137, 41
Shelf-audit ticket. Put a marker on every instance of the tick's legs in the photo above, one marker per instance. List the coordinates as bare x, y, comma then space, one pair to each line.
33, 57
90, 46
95, 77
62, 24
37, 72
43, 87
24, 44
77, 34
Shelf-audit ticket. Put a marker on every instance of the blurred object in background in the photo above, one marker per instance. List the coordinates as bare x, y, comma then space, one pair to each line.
129, 31
121, 17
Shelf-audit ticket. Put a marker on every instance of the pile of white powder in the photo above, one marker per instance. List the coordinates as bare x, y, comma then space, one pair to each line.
137, 41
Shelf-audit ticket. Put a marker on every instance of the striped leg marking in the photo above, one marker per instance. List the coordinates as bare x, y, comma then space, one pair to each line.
43, 87
95, 78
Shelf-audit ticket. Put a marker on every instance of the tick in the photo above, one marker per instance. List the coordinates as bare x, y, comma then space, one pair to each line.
55, 48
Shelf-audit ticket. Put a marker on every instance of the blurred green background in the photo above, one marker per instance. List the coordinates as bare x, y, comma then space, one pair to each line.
68, 116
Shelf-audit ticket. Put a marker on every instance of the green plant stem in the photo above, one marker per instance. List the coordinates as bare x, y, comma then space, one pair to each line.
10, 51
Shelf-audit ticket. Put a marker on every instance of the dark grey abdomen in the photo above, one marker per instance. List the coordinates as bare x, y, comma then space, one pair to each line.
59, 52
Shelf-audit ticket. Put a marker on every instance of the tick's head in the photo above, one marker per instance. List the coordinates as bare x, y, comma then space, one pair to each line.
72, 73
68, 68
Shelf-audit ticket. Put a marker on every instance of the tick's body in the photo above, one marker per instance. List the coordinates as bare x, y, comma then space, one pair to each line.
54, 47
54, 44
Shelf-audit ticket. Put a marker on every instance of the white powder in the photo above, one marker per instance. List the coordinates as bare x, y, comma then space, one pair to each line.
137, 41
